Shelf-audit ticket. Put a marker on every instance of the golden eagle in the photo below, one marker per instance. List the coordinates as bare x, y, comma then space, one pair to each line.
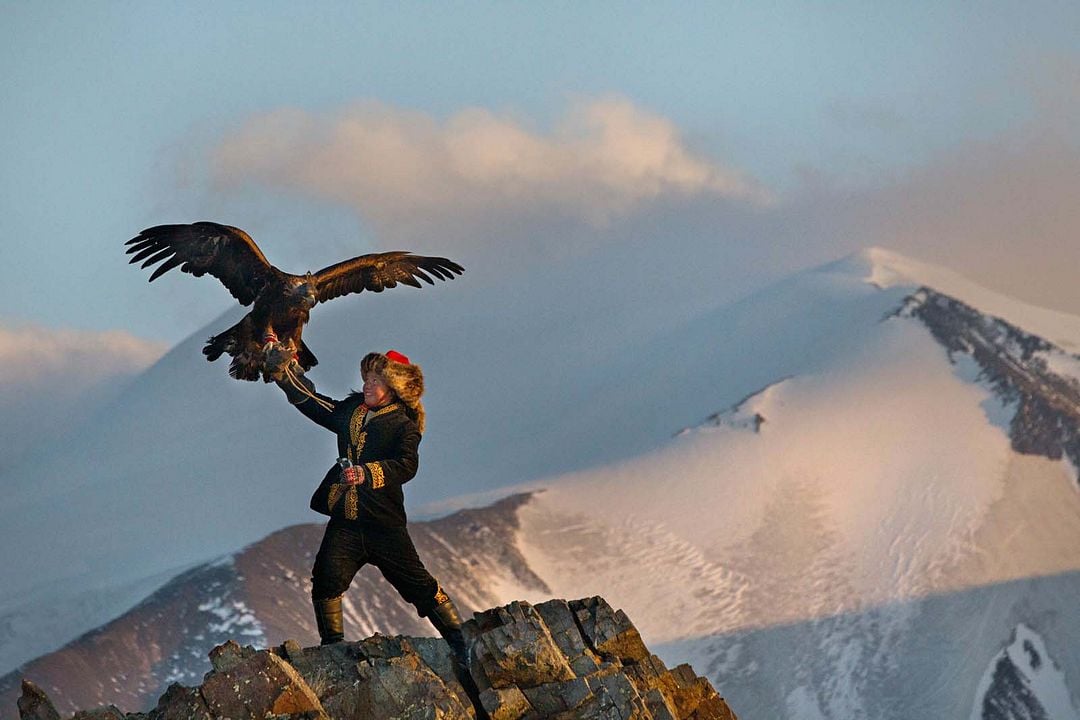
282, 302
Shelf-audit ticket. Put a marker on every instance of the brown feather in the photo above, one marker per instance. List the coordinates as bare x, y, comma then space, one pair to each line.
378, 271
228, 253
166, 267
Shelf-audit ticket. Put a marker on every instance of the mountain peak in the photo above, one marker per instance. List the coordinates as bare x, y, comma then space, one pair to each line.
884, 269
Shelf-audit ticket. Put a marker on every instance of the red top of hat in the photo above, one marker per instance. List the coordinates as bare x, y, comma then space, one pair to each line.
395, 356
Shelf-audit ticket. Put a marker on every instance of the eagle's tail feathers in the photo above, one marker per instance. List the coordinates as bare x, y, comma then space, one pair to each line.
215, 346
242, 369
305, 357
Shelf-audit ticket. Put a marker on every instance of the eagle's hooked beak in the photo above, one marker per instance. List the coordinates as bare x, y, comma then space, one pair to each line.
307, 293
307, 288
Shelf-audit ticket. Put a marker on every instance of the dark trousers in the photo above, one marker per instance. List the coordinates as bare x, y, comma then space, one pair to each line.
347, 547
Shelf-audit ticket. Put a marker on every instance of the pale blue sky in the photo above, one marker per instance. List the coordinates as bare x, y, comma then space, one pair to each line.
101, 103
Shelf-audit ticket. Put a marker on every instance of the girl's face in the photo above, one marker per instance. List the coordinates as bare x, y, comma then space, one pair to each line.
376, 392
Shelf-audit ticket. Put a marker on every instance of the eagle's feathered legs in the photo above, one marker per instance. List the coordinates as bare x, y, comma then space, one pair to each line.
247, 348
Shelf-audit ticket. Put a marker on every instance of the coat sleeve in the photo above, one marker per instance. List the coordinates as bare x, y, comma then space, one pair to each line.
399, 468
329, 419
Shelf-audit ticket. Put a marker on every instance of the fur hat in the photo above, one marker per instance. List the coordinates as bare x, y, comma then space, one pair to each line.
403, 377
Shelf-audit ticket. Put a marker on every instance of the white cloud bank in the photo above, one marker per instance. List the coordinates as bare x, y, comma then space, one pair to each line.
37, 355
52, 379
407, 173
1001, 209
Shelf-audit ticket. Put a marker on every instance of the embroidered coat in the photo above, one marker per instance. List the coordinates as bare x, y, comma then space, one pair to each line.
383, 442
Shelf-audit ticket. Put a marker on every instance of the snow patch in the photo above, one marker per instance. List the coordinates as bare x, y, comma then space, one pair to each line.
235, 618
999, 411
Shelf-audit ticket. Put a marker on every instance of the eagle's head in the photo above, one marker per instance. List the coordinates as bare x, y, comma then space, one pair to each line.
300, 292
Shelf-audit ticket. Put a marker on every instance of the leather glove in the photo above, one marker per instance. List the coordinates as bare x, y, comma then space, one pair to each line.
278, 358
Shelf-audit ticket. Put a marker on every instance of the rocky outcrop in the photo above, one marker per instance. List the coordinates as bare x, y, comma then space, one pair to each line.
569, 660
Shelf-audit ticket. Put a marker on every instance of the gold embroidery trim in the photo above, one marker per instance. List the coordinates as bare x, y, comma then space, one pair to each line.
440, 596
378, 479
357, 447
334, 496
357, 423
352, 500
382, 411
356, 428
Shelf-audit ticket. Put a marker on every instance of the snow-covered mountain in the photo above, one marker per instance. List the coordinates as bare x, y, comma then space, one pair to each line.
850, 494
865, 533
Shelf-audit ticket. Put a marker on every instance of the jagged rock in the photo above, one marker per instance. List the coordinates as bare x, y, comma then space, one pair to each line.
609, 631
331, 673
578, 660
34, 704
181, 703
648, 676
566, 633
505, 704
258, 685
557, 698
290, 650
612, 673
405, 687
514, 647
225, 657
382, 676
694, 697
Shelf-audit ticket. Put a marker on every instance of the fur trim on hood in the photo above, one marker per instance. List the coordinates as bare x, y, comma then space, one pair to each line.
405, 379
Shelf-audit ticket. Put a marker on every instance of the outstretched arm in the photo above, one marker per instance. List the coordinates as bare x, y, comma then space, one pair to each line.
301, 391
309, 402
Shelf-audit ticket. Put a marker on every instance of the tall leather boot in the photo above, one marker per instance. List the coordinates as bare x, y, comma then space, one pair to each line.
328, 619
446, 620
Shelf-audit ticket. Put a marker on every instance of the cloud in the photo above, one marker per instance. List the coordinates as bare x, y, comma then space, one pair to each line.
51, 379
408, 173
1000, 209
35, 355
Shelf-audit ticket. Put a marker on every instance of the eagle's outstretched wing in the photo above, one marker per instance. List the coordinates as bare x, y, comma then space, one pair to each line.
226, 252
381, 270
